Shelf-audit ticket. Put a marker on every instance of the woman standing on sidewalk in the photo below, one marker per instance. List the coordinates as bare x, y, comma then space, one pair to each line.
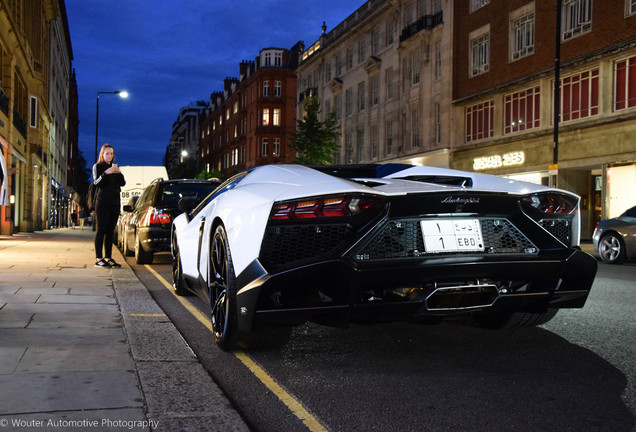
108, 180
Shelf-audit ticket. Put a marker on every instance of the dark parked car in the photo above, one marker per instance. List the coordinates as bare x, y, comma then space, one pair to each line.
615, 239
120, 229
148, 228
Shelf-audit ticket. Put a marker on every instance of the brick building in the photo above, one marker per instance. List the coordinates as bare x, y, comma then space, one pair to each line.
503, 96
250, 122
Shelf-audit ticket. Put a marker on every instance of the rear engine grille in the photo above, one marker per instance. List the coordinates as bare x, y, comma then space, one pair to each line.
400, 239
560, 228
287, 245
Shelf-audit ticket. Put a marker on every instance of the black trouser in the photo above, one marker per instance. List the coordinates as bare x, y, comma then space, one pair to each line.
106, 215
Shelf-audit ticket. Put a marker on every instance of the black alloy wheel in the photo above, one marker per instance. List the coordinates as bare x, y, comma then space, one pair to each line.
178, 282
141, 256
222, 286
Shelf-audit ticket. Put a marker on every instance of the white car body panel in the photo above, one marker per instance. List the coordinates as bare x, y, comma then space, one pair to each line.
245, 209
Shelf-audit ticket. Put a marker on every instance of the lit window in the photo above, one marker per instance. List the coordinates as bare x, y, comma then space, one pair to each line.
276, 119
265, 116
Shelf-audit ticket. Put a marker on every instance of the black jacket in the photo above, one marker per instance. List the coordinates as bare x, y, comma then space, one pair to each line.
109, 185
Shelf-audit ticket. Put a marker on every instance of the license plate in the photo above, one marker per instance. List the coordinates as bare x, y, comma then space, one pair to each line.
452, 235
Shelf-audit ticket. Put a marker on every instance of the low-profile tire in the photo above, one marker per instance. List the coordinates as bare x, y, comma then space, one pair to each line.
141, 256
223, 304
178, 281
505, 320
611, 249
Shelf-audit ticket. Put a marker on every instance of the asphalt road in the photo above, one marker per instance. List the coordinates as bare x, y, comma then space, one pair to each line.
576, 373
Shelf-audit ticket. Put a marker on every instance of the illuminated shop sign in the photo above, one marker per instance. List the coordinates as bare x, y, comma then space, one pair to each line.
497, 161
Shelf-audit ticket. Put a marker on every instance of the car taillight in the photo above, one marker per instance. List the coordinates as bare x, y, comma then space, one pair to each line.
551, 202
155, 216
313, 208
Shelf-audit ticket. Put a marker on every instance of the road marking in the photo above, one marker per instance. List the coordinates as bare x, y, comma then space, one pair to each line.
146, 315
291, 402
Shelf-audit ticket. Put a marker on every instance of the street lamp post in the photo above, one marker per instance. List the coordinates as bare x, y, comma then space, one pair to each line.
123, 94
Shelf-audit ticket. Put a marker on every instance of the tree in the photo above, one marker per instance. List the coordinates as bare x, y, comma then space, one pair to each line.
210, 174
315, 142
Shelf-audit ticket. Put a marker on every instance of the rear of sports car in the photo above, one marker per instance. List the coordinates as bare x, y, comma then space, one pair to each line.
427, 255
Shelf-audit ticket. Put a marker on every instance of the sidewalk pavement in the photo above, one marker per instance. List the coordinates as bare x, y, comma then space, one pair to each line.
85, 348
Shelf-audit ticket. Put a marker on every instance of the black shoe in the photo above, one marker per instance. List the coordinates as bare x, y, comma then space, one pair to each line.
111, 262
102, 263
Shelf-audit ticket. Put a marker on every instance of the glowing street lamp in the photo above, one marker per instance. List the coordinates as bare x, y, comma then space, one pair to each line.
123, 94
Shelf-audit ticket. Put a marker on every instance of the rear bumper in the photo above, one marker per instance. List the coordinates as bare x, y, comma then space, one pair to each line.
341, 291
154, 239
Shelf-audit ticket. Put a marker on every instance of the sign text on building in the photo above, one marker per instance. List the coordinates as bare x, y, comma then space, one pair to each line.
496, 161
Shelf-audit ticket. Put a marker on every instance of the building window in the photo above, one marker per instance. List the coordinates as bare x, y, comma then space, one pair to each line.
579, 96
348, 102
415, 67
338, 65
375, 42
360, 145
389, 83
478, 4
236, 107
438, 123
388, 137
348, 148
265, 116
479, 53
415, 128
374, 142
375, 90
264, 144
349, 58
278, 85
327, 72
361, 96
337, 101
227, 114
625, 83
438, 60
265, 88
278, 59
362, 51
522, 110
522, 36
328, 107
268, 59
276, 148
390, 30
576, 18
276, 119
630, 7
479, 121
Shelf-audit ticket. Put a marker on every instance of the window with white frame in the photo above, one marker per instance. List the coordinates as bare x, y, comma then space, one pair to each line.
374, 142
265, 117
479, 121
276, 118
522, 35
438, 60
388, 137
362, 50
360, 145
415, 128
415, 66
576, 17
264, 145
276, 149
478, 4
522, 110
349, 58
361, 96
375, 42
625, 83
265, 88
480, 51
278, 59
390, 30
630, 7
278, 85
579, 95
338, 65
389, 83
375, 90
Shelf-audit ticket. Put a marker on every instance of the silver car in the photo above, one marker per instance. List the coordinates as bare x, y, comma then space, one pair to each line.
615, 239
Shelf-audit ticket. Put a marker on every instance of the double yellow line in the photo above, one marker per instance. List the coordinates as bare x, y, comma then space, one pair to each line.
291, 402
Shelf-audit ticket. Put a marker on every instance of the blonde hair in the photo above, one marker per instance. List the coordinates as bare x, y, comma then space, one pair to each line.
101, 152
